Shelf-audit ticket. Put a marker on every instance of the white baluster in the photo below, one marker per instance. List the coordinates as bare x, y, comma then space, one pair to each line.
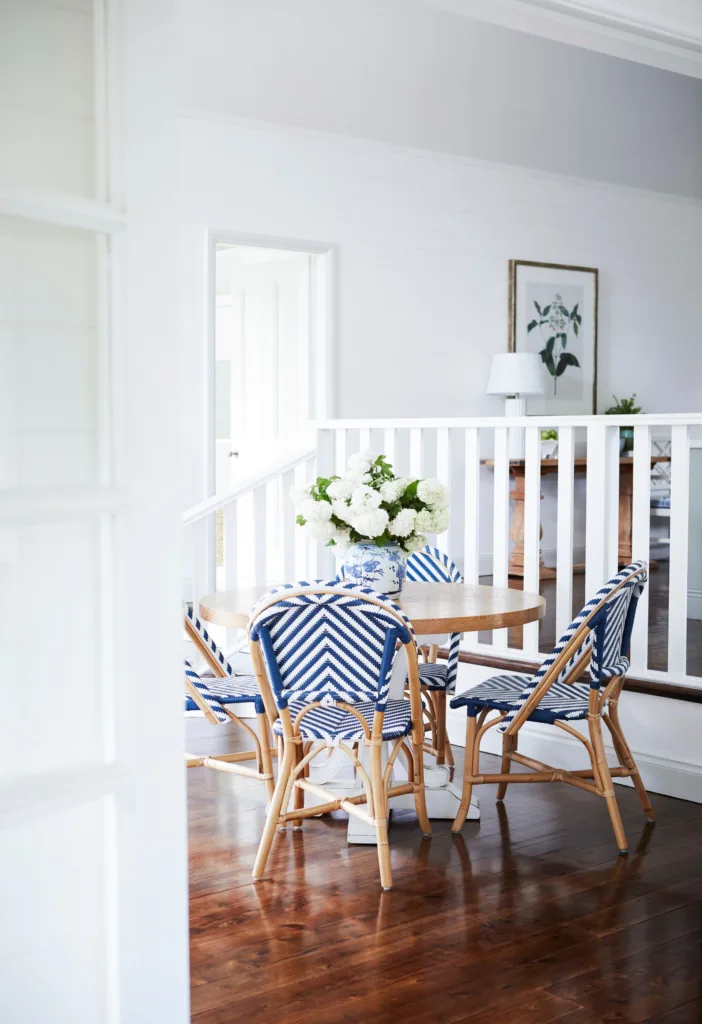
230, 543
641, 539
612, 472
679, 544
564, 530
415, 452
364, 436
596, 558
390, 447
260, 565
288, 527
472, 506
500, 516
341, 453
532, 526
203, 581
443, 472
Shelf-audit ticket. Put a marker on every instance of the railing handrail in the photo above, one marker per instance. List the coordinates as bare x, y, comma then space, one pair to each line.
654, 419
250, 483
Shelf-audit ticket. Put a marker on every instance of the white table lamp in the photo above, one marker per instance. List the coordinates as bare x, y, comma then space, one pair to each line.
515, 375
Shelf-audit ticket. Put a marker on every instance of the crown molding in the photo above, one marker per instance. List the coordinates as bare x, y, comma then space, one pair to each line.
662, 33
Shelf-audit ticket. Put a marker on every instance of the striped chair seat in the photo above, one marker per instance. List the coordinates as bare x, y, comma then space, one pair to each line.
502, 693
335, 724
231, 690
435, 677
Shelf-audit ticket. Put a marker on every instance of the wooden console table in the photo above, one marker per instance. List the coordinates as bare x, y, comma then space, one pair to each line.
517, 470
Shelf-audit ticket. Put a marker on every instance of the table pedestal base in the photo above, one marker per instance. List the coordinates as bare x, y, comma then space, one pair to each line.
443, 797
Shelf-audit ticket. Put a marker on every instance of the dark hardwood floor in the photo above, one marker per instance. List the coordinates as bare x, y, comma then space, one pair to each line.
658, 620
529, 916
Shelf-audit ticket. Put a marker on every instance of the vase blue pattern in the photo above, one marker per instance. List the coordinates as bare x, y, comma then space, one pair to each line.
382, 569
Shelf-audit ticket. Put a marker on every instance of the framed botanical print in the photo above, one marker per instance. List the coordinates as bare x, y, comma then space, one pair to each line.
553, 312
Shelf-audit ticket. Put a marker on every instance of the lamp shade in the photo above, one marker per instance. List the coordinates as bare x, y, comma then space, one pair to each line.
516, 373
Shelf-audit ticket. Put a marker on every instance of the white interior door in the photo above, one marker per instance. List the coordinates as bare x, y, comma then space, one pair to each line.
93, 884
262, 356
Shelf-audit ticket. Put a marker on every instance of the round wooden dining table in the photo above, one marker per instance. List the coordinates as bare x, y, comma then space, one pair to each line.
434, 609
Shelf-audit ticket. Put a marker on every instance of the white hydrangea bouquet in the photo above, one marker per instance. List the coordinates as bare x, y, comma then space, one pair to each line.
370, 507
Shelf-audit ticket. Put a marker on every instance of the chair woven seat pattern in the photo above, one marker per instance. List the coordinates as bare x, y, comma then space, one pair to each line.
331, 723
607, 639
232, 689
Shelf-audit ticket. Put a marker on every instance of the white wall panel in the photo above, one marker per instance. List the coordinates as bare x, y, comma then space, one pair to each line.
47, 127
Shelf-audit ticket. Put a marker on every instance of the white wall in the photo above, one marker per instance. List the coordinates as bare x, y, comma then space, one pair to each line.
423, 243
399, 71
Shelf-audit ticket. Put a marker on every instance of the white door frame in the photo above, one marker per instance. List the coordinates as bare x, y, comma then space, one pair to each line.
323, 316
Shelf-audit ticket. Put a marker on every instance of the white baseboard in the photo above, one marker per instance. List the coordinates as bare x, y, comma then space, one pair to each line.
694, 604
544, 743
203, 738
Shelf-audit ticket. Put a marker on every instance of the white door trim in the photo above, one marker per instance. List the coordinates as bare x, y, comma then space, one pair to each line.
324, 322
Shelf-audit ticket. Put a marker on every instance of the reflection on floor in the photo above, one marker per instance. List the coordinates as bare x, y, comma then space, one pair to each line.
529, 916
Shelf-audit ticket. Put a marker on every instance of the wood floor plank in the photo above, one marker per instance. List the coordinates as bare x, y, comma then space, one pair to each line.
527, 917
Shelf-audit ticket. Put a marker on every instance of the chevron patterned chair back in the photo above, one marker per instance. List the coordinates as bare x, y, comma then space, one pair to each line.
329, 646
605, 624
326, 652
430, 565
598, 639
213, 695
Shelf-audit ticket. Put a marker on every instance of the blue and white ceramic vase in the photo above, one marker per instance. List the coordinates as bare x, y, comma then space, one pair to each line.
382, 569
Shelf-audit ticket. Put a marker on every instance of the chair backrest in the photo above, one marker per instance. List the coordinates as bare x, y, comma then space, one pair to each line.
196, 688
328, 642
204, 641
430, 565
605, 623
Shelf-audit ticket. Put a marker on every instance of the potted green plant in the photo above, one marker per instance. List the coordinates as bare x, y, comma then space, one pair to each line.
549, 444
625, 407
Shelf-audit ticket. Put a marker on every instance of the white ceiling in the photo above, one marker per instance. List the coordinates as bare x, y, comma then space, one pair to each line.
663, 33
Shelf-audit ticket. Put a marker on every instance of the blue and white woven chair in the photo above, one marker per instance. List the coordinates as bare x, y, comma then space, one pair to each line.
599, 638
213, 695
430, 565
326, 651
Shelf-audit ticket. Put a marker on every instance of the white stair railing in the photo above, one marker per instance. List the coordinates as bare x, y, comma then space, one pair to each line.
582, 511
248, 537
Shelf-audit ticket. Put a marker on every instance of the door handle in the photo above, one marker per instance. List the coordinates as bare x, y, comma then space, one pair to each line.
233, 455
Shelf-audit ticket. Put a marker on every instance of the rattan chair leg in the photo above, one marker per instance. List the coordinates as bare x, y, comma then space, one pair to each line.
509, 745
420, 797
601, 768
450, 762
471, 735
298, 793
440, 711
381, 812
284, 772
264, 736
627, 758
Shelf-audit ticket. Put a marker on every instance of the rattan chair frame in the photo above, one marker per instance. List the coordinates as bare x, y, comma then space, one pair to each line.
603, 706
370, 806
235, 764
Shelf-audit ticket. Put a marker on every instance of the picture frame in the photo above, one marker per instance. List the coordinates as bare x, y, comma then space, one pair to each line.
553, 312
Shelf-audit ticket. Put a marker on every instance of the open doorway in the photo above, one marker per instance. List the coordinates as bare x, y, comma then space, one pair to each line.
271, 353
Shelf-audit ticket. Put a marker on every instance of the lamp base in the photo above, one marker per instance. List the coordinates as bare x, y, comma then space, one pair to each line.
515, 444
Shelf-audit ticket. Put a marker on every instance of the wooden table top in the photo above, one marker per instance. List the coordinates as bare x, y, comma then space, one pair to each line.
431, 607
